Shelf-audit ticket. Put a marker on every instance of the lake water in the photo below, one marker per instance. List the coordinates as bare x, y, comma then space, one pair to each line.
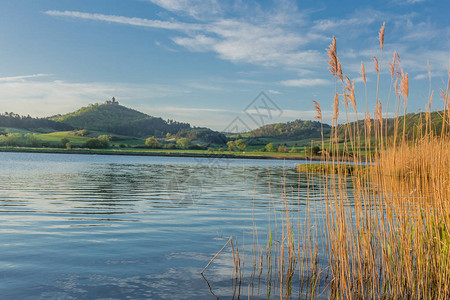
127, 227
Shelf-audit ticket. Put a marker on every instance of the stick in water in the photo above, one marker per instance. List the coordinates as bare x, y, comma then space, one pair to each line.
229, 240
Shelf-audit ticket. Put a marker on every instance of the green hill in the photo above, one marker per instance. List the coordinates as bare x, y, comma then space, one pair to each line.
12, 120
415, 122
119, 119
297, 129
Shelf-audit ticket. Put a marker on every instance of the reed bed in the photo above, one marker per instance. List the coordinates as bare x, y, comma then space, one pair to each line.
383, 230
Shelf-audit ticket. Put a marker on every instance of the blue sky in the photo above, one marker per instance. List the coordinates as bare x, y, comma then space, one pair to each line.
204, 61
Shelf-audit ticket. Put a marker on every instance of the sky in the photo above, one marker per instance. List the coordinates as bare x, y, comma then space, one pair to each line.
213, 63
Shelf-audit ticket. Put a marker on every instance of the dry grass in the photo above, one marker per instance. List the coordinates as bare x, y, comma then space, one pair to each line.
386, 227
393, 243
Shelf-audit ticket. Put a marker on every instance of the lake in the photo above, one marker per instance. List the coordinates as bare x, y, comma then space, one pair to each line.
128, 227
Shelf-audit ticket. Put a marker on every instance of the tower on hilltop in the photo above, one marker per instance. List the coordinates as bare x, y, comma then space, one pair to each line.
112, 101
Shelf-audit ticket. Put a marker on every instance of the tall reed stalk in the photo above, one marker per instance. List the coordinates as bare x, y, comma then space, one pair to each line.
383, 228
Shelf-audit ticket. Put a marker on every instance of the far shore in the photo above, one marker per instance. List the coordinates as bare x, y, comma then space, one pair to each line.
172, 153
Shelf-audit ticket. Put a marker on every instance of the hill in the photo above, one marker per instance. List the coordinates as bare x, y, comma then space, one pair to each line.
297, 129
415, 122
118, 119
12, 120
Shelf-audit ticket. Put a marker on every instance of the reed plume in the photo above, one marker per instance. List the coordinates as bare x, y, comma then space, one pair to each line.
332, 58
404, 84
335, 108
376, 65
393, 66
318, 110
378, 112
350, 92
381, 35
363, 72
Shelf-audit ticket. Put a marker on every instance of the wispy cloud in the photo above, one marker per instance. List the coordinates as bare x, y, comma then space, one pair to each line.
47, 97
22, 78
126, 20
274, 92
334, 24
305, 82
262, 41
420, 76
194, 8
409, 1
282, 38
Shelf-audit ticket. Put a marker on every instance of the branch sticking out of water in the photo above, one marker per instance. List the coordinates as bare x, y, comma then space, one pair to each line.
229, 240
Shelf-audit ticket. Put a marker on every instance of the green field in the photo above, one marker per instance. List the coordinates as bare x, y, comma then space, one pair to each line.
157, 152
51, 142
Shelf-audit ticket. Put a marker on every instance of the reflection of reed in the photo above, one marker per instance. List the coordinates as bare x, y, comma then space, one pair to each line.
209, 286
384, 229
280, 255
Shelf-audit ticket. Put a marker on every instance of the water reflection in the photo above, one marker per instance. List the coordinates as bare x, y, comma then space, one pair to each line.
83, 226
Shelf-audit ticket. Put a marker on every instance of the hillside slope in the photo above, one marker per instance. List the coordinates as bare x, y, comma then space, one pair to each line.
297, 129
13, 120
120, 120
415, 122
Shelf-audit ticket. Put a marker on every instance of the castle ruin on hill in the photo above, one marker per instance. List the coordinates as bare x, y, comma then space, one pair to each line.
112, 101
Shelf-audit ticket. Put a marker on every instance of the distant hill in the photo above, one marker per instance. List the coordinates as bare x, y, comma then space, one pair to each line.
297, 129
34, 124
118, 119
413, 120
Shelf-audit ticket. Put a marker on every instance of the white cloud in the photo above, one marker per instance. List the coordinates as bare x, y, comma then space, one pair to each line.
409, 1
126, 20
21, 78
334, 24
25, 95
305, 82
420, 76
194, 8
274, 92
205, 86
281, 38
50, 97
261, 41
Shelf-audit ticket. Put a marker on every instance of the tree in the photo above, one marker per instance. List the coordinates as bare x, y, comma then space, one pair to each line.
95, 143
12, 139
32, 139
152, 143
241, 144
104, 138
64, 141
282, 149
315, 150
170, 146
82, 132
231, 145
269, 147
184, 142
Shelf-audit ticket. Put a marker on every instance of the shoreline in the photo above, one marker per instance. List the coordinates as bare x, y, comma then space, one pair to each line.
163, 154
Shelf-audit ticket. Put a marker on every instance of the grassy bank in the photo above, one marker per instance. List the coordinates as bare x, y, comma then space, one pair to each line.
163, 152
